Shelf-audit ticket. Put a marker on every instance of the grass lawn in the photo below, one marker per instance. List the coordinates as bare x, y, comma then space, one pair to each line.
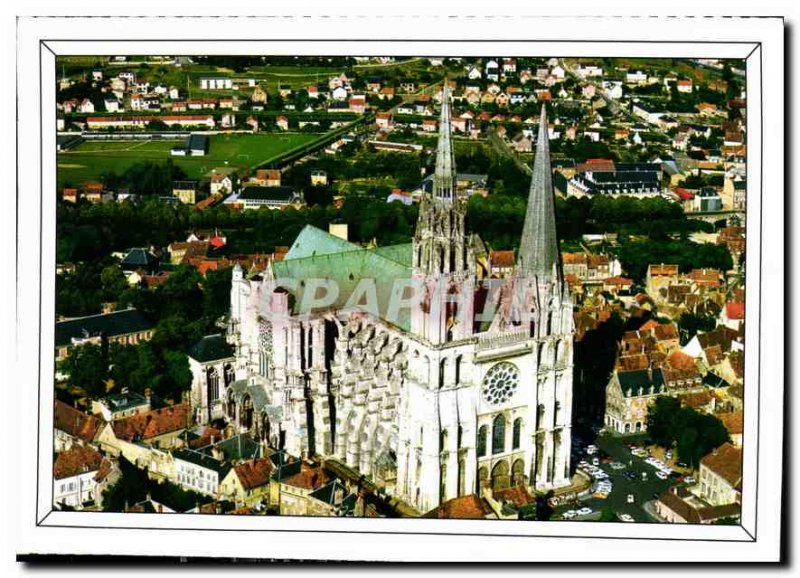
91, 159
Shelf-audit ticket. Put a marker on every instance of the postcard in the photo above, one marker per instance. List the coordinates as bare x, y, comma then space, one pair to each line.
462, 288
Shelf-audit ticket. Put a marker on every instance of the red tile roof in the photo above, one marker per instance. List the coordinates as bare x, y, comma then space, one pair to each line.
502, 258
254, 473
308, 479
733, 421
74, 422
77, 460
470, 507
154, 423
734, 311
726, 462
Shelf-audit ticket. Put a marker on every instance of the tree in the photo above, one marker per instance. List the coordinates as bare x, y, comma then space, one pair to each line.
693, 434
113, 283
157, 125
87, 369
690, 324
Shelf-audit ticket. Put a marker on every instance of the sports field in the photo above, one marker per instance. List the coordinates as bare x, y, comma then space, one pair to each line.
92, 159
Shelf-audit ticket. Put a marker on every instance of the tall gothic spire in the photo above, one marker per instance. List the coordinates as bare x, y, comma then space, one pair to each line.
538, 248
444, 179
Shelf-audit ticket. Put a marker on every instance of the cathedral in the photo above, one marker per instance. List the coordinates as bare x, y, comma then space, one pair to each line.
409, 363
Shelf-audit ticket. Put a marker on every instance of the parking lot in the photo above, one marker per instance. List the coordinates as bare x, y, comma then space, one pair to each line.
615, 464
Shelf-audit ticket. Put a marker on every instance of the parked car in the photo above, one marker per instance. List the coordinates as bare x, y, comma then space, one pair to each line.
661, 475
626, 518
689, 480
631, 498
584, 511
617, 466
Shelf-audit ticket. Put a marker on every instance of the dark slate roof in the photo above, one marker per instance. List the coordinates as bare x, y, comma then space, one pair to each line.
259, 193
125, 401
631, 381
105, 325
201, 459
327, 493
198, 142
211, 348
139, 257
236, 448
713, 380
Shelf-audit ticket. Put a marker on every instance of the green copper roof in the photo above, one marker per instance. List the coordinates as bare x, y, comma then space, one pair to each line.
313, 241
334, 261
399, 253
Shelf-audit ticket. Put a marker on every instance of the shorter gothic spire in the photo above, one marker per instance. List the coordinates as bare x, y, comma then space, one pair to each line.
538, 248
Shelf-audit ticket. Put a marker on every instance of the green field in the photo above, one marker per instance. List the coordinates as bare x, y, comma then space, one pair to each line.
92, 159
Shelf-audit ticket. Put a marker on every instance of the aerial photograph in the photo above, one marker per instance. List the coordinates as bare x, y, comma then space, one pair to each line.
488, 288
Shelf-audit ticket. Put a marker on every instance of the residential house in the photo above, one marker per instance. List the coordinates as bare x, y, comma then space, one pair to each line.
721, 476
501, 263
629, 395
134, 436
294, 490
73, 427
678, 505
248, 483
186, 191
199, 472
221, 183
734, 423
120, 405
80, 475
732, 316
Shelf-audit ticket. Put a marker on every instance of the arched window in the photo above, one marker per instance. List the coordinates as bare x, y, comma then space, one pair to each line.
540, 416
443, 484
483, 479
229, 374
458, 370
500, 479
212, 381
461, 478
443, 441
499, 434
516, 433
518, 473
627, 428
442, 369
483, 434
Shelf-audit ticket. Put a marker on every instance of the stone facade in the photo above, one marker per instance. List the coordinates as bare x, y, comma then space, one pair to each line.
436, 400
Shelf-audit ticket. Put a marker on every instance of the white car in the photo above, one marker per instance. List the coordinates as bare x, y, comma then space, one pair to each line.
584, 511
689, 480
631, 498
591, 450
568, 515
661, 475
617, 466
626, 518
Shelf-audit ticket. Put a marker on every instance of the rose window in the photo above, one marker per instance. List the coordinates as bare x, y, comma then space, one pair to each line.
500, 383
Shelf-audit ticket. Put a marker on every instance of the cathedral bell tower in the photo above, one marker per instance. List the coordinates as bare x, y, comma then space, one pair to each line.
442, 258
